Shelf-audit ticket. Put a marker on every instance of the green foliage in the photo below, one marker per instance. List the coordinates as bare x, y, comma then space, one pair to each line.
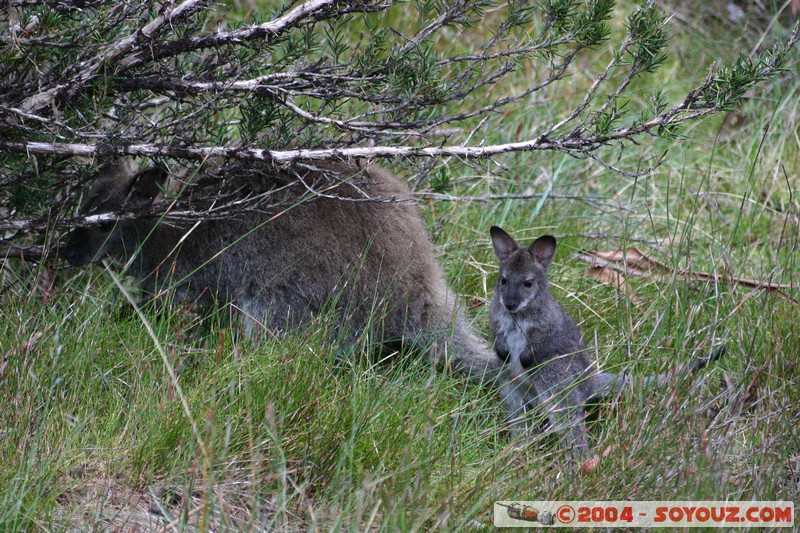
441, 180
590, 26
394, 74
609, 118
648, 37
580, 22
732, 81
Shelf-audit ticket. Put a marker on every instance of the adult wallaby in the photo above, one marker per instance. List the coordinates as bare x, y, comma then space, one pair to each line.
539, 340
360, 249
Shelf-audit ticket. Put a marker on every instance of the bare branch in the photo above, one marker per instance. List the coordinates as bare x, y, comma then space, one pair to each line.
261, 31
45, 98
525, 196
28, 252
103, 79
688, 110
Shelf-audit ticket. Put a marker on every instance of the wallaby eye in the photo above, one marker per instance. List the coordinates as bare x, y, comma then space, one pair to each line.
528, 284
503, 280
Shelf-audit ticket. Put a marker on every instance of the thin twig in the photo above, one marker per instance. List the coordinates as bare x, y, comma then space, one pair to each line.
115, 50
523, 196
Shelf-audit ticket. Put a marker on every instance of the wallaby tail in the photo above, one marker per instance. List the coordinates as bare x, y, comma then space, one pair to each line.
607, 384
702, 362
471, 354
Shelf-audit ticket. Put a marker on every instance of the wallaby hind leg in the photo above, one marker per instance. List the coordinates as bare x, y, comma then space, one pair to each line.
567, 418
568, 421
561, 400
579, 444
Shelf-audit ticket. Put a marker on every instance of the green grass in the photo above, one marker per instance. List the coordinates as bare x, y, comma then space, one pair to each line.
93, 434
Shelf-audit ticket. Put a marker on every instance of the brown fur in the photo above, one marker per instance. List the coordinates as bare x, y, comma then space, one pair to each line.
371, 261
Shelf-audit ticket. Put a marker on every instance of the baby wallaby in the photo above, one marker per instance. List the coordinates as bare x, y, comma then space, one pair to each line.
542, 344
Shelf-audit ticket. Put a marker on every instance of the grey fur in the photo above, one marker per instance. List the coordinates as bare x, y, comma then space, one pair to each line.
367, 259
541, 342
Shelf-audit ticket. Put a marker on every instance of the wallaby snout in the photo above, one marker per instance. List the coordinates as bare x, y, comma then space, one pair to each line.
79, 249
72, 252
511, 299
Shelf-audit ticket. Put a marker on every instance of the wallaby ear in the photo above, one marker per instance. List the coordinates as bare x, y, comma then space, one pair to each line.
503, 244
146, 186
115, 175
543, 249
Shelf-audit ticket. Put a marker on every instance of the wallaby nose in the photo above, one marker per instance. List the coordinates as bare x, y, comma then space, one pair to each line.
73, 251
71, 255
